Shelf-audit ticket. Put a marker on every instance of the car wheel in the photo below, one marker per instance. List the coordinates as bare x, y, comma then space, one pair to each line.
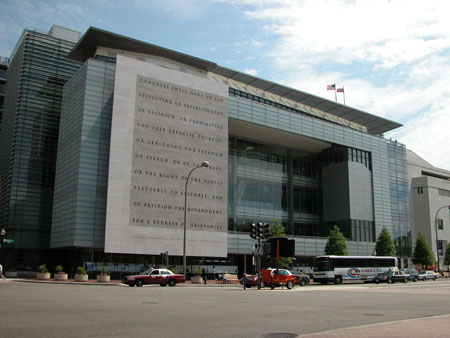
415, 279
272, 286
289, 284
338, 280
302, 282
405, 280
434, 278
163, 284
324, 282
172, 282
131, 285
139, 283
377, 281
390, 281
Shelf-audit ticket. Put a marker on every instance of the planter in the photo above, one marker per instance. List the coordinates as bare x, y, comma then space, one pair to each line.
11, 274
81, 278
196, 280
43, 275
61, 276
103, 278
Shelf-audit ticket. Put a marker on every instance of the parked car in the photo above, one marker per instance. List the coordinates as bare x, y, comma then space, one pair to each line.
413, 274
424, 275
390, 277
250, 280
300, 278
162, 277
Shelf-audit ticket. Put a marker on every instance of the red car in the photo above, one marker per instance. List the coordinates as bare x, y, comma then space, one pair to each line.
300, 279
162, 277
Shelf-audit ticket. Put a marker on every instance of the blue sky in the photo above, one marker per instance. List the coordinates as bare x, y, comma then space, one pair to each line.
392, 57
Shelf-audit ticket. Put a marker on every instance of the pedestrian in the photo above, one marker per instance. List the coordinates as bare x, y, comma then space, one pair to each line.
204, 276
215, 273
1, 272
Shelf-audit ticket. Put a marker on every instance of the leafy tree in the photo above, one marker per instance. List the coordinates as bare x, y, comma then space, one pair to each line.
423, 254
276, 229
447, 255
385, 246
337, 244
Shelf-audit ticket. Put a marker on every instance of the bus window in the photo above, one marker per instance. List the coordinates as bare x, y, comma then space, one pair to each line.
322, 264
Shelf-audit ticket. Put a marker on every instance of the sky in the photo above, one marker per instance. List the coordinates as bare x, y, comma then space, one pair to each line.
392, 57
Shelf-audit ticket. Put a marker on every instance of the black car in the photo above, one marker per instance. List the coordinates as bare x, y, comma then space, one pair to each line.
390, 277
413, 274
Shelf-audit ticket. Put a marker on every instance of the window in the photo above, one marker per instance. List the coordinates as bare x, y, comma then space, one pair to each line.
420, 190
440, 224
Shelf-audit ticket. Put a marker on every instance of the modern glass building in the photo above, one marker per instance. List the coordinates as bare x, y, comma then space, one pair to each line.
38, 70
292, 157
3, 67
137, 118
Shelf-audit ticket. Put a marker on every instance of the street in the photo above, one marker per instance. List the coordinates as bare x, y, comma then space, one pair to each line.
52, 310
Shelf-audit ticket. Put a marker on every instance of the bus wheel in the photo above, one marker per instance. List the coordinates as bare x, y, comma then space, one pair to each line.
338, 280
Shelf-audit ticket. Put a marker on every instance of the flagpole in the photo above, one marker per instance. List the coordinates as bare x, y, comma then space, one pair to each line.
335, 95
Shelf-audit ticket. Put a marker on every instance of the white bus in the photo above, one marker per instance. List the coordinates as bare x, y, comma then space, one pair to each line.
341, 268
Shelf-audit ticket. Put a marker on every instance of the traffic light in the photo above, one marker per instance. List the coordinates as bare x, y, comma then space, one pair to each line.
260, 230
266, 231
253, 230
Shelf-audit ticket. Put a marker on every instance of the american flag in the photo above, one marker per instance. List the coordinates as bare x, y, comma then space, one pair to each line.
340, 90
331, 87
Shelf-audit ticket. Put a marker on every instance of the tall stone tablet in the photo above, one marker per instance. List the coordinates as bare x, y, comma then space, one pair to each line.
164, 124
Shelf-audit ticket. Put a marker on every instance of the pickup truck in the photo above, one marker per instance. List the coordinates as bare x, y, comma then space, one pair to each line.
162, 277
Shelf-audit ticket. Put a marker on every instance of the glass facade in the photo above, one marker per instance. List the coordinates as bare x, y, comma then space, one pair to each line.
399, 196
29, 135
270, 183
82, 167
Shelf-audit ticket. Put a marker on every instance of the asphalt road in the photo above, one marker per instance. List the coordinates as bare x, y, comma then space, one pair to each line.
52, 310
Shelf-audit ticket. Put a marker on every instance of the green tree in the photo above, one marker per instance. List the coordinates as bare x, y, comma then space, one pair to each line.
423, 254
276, 229
447, 255
337, 244
385, 246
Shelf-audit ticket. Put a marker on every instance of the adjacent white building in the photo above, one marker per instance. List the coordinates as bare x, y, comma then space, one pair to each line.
430, 203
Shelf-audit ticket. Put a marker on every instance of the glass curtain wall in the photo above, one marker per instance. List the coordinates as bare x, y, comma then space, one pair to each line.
398, 178
268, 183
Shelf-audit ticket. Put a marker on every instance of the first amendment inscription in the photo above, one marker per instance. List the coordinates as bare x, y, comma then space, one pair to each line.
173, 127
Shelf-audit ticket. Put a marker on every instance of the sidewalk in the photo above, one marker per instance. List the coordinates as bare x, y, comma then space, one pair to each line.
115, 282
436, 326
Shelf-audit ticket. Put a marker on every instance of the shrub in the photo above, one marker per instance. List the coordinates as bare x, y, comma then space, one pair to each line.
59, 268
43, 268
104, 270
197, 272
81, 271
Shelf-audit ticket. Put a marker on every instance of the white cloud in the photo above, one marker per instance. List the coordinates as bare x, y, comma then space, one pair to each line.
252, 72
392, 56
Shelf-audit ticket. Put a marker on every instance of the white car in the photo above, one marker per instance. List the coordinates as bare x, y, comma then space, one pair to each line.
424, 275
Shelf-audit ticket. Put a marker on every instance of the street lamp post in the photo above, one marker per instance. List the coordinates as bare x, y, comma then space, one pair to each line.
206, 165
437, 239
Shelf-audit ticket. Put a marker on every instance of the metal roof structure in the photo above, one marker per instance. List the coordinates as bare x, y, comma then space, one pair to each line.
95, 37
